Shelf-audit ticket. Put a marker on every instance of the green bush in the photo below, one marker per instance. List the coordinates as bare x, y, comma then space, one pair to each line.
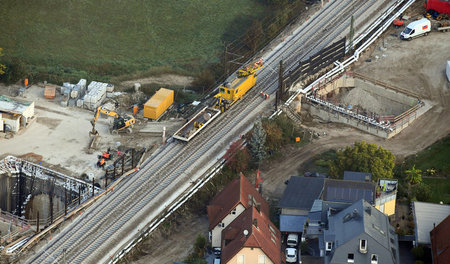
421, 192
14, 71
418, 252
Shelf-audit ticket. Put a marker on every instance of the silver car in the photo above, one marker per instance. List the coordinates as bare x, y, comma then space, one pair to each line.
291, 255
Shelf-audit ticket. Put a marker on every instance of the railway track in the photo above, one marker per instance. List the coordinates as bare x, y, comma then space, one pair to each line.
112, 217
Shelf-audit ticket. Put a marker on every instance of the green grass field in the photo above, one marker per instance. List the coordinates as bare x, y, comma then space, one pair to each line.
440, 189
436, 156
105, 38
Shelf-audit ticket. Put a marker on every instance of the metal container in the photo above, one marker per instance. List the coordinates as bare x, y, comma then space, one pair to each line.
159, 103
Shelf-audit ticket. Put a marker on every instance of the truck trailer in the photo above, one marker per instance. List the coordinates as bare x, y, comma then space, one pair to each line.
440, 6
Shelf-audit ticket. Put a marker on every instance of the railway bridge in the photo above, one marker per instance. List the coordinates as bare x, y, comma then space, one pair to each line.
119, 219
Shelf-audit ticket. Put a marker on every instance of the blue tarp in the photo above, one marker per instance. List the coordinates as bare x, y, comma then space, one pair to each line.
292, 223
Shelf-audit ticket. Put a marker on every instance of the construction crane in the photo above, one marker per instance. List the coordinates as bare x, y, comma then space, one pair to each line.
121, 123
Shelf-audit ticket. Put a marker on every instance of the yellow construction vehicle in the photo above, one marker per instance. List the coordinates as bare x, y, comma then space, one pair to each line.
236, 86
125, 123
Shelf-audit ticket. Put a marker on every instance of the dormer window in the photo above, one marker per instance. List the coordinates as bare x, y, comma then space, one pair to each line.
328, 246
363, 246
233, 211
351, 258
374, 259
221, 224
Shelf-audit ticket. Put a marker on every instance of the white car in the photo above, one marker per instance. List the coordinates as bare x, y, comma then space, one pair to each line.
292, 240
291, 255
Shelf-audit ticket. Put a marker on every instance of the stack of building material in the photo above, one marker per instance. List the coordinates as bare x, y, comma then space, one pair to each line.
96, 93
49, 91
159, 103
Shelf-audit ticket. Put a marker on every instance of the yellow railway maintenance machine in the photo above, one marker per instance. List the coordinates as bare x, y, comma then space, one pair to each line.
237, 86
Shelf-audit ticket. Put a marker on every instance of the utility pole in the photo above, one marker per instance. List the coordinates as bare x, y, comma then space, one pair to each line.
279, 93
352, 33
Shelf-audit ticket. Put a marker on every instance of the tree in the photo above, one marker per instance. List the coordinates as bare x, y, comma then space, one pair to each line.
257, 143
274, 138
421, 192
364, 157
237, 158
414, 176
2, 66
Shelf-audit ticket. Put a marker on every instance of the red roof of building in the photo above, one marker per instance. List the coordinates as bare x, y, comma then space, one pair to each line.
261, 233
238, 191
440, 242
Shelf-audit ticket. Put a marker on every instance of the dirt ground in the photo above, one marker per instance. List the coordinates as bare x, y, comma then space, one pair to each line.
60, 136
166, 79
163, 249
417, 65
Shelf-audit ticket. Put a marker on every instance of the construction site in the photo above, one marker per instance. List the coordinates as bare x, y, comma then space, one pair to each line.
71, 154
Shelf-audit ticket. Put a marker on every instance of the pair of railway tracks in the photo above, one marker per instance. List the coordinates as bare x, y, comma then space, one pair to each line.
108, 220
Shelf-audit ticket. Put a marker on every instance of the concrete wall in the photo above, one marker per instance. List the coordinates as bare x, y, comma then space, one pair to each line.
12, 121
250, 256
386, 204
385, 93
216, 233
29, 112
325, 115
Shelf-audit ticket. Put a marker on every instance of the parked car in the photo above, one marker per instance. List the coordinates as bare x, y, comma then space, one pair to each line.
291, 255
292, 240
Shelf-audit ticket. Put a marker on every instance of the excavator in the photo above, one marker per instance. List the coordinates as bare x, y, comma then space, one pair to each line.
121, 123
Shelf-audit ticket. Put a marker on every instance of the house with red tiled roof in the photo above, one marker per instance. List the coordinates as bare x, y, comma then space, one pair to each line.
251, 238
440, 242
229, 204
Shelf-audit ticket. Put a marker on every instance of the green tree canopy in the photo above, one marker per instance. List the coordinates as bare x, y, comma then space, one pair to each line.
414, 175
364, 157
257, 143
2, 66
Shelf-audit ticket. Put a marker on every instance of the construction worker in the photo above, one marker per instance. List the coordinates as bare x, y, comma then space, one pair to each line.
106, 155
101, 163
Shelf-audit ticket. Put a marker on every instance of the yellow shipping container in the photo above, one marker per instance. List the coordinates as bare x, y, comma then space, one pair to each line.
159, 103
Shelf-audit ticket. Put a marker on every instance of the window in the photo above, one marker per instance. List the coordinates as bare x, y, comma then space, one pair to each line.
413, 31
222, 90
374, 259
240, 259
237, 90
351, 258
233, 211
261, 259
363, 246
221, 225
228, 91
329, 246
210, 236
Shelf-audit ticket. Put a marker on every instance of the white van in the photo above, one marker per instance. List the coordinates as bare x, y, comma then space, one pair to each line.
416, 29
292, 240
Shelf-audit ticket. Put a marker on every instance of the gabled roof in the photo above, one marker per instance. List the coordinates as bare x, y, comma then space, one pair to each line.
301, 192
357, 176
348, 191
440, 242
259, 235
362, 220
238, 191
426, 215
